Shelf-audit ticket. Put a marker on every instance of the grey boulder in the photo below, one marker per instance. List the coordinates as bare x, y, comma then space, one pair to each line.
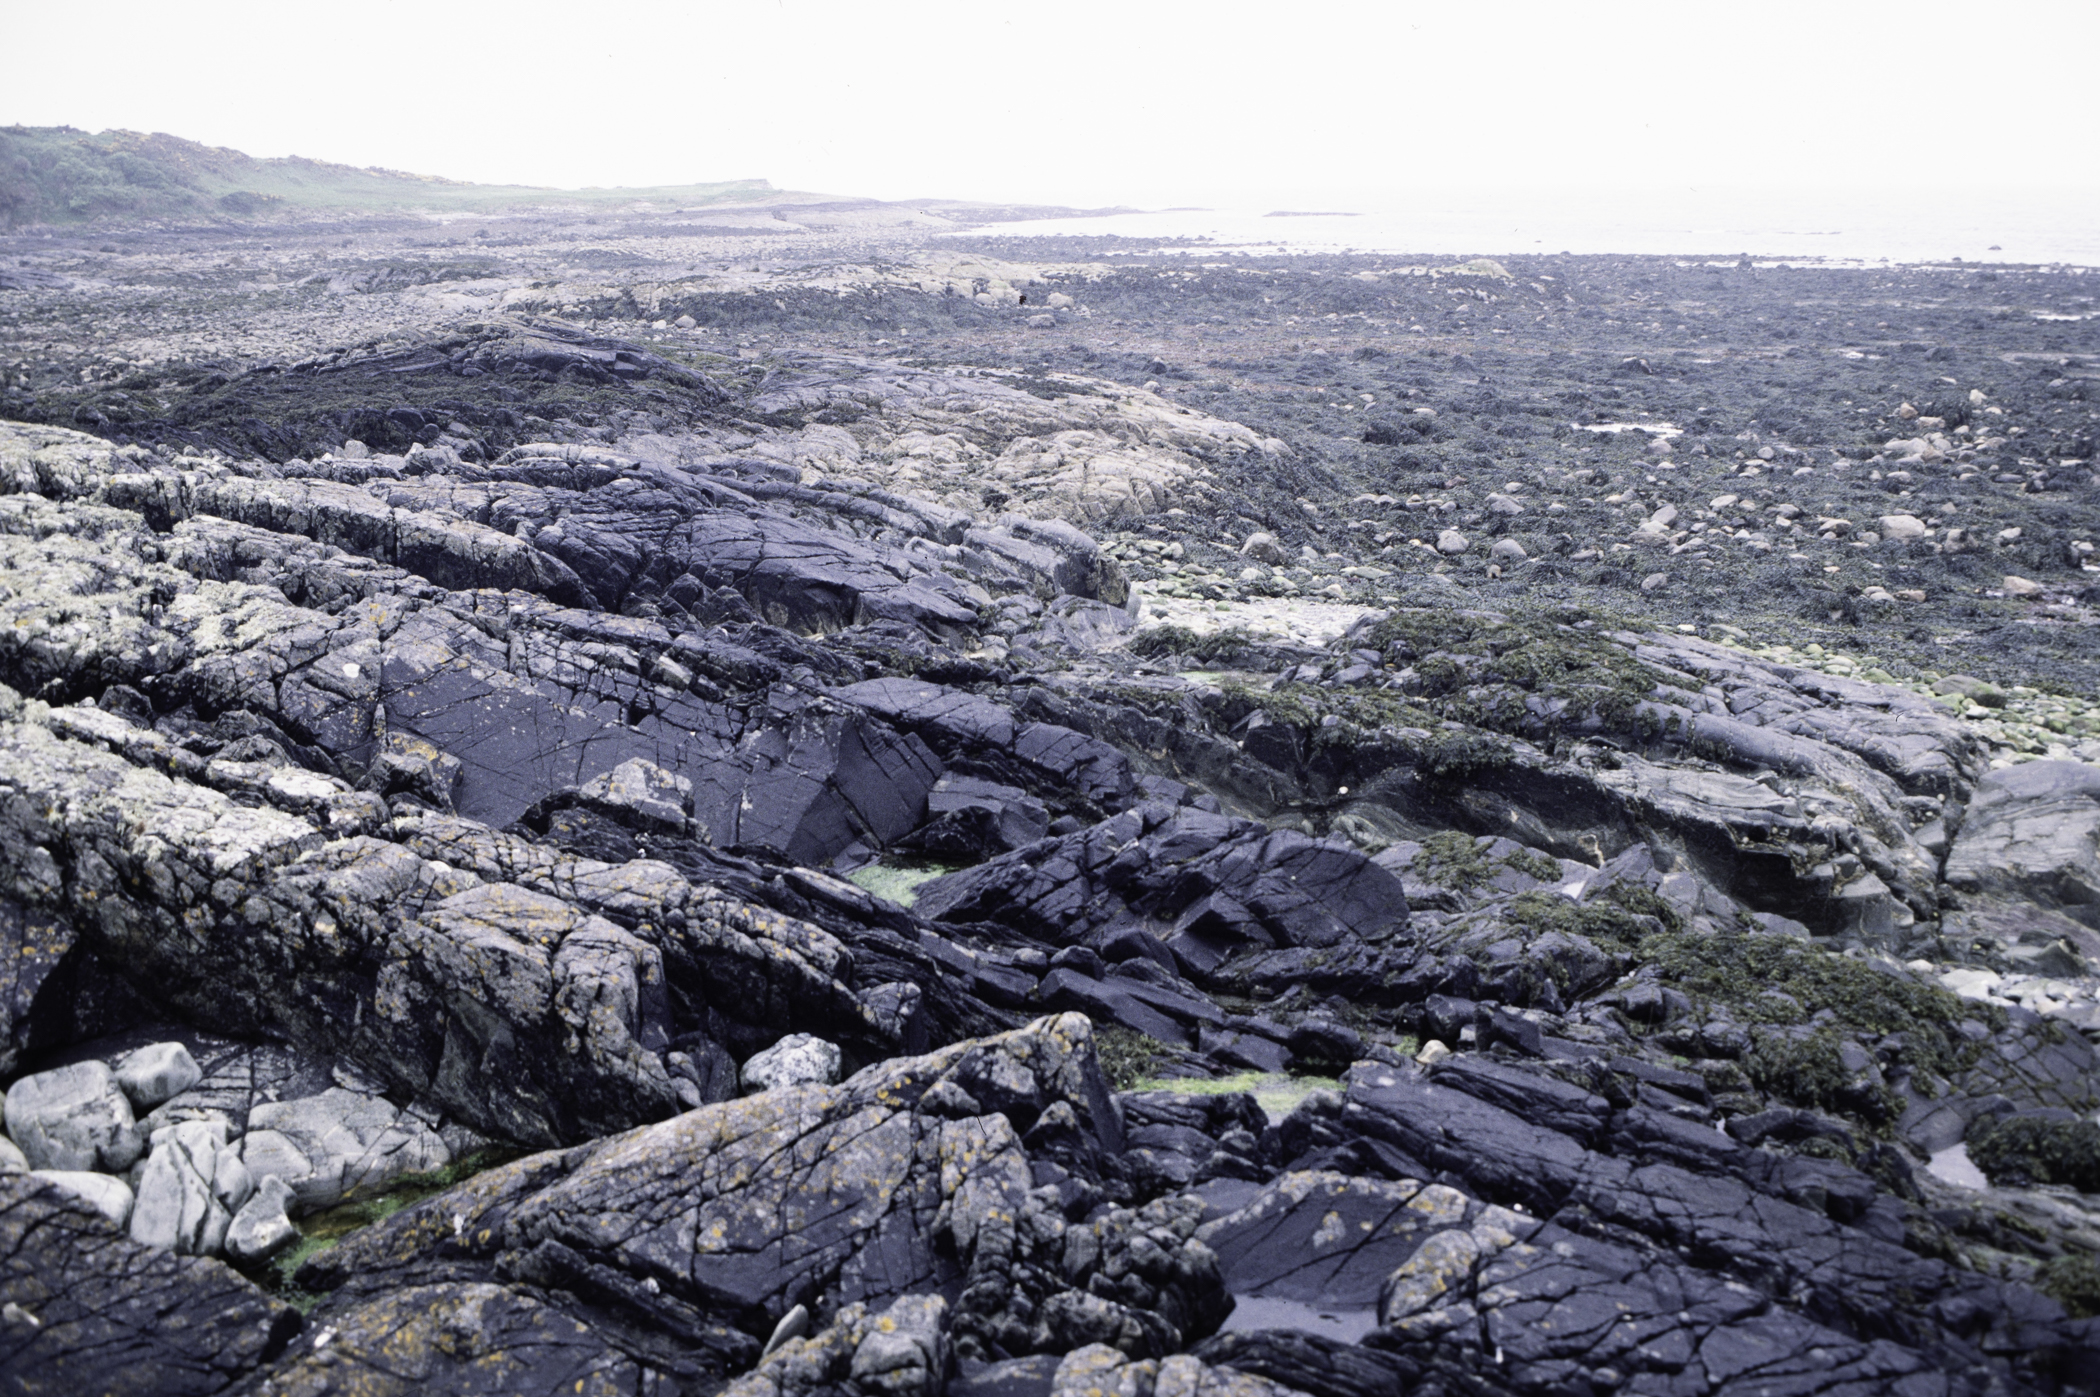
338, 1144
262, 1228
800, 1059
644, 792
192, 1184
156, 1072
73, 1118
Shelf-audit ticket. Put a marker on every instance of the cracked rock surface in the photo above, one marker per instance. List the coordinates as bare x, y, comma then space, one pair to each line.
810, 889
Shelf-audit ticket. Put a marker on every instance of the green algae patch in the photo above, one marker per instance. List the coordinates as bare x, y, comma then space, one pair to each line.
2073, 1281
322, 1230
1278, 1094
1458, 861
1452, 860
899, 883
1208, 648
1776, 986
2026, 1150
1129, 1058
1811, 1072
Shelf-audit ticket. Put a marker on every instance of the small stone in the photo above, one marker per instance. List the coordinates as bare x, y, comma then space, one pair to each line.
1978, 691
2020, 587
410, 765
1263, 548
1451, 543
643, 790
1654, 580
686, 322
152, 1074
262, 1228
1902, 526
355, 450
1508, 550
799, 1059
1906, 412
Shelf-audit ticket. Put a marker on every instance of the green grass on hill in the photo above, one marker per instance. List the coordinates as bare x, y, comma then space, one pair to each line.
60, 175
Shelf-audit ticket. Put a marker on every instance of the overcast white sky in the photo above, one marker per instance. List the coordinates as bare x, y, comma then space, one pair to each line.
1092, 103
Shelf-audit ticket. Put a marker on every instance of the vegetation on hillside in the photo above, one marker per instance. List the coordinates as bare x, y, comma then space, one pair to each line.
60, 175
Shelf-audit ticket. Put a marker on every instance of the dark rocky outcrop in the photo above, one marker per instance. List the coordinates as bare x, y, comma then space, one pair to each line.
516, 798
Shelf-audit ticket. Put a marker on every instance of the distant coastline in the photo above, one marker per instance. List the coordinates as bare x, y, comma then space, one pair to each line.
2030, 228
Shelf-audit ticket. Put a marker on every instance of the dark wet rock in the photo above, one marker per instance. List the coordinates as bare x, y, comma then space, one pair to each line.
919, 1195
1214, 885
971, 820
976, 733
84, 1305
2031, 838
1320, 1366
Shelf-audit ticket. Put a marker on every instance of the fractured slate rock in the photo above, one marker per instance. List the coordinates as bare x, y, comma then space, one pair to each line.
89, 1309
924, 1182
2031, 836
1212, 883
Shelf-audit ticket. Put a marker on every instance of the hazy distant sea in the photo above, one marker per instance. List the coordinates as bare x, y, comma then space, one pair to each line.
1925, 225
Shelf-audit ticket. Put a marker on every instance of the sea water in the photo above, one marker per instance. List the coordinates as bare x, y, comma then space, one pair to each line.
1824, 226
